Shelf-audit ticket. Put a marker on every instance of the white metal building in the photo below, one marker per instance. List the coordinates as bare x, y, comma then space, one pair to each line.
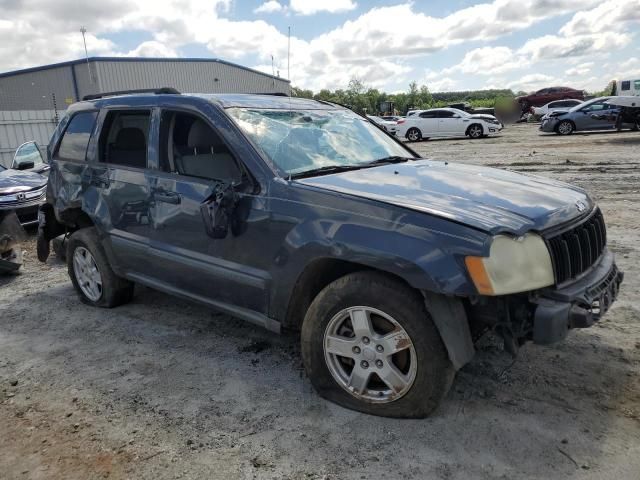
32, 100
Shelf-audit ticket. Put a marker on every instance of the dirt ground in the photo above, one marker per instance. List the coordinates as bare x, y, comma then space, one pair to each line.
162, 388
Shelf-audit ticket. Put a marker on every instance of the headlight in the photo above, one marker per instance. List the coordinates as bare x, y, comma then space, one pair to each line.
513, 265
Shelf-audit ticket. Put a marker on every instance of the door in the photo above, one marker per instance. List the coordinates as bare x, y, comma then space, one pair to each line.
449, 124
119, 175
596, 116
427, 122
196, 163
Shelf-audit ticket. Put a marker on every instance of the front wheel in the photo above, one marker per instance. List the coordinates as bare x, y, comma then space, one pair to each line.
475, 131
413, 135
565, 127
91, 274
370, 344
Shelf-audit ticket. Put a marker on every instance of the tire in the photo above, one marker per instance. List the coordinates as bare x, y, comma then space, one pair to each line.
427, 372
85, 257
565, 127
414, 135
475, 131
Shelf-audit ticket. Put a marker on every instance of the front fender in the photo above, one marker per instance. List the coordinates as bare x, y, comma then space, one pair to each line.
426, 252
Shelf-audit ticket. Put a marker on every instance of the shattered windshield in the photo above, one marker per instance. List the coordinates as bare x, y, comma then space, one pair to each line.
307, 140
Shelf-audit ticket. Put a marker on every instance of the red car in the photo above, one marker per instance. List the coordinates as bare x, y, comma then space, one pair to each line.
546, 95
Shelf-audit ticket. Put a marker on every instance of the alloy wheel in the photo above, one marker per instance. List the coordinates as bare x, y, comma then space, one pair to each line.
369, 354
87, 274
475, 131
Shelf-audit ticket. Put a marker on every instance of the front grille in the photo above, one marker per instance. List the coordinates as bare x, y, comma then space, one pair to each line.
575, 250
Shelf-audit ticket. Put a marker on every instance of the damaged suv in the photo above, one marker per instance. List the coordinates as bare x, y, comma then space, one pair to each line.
300, 214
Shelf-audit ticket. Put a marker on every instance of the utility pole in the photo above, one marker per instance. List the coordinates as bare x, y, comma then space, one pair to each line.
288, 54
86, 54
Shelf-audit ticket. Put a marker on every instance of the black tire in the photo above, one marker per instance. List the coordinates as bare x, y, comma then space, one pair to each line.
475, 131
434, 371
565, 127
114, 290
414, 134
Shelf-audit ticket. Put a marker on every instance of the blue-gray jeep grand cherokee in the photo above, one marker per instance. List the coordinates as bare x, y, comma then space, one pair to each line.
300, 214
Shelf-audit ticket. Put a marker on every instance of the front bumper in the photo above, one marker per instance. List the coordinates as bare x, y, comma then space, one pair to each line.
27, 212
548, 124
578, 305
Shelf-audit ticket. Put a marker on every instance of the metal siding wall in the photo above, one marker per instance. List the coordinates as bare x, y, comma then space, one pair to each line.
188, 77
33, 90
17, 127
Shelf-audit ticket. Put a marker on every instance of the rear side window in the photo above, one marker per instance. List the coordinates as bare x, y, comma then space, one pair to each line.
636, 84
626, 85
444, 114
428, 115
124, 138
75, 140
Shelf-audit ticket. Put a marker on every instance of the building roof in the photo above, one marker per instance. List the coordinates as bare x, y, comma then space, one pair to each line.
135, 59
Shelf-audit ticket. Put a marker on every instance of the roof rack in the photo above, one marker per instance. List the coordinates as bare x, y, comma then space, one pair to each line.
157, 91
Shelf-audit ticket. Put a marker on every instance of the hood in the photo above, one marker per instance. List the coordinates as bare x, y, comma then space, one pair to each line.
484, 198
12, 181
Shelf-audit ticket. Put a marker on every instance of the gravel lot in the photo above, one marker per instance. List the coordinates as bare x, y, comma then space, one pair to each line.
162, 388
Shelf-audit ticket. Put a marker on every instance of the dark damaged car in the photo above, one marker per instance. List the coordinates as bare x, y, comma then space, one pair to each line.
299, 214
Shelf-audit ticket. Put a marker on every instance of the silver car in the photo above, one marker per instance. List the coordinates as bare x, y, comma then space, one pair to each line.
593, 114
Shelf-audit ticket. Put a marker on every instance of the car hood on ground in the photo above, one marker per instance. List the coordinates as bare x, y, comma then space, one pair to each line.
484, 198
12, 181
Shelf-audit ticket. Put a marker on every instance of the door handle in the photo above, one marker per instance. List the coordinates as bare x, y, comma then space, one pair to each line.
167, 197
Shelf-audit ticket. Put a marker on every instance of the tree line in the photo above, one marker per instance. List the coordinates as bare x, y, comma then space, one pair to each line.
372, 101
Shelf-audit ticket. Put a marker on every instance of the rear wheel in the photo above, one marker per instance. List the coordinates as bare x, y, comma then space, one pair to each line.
91, 274
413, 134
369, 344
565, 127
475, 131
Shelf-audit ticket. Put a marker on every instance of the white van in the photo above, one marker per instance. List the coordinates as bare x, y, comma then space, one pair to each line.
628, 87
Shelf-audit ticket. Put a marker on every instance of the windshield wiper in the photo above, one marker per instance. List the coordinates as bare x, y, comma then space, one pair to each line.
391, 159
328, 170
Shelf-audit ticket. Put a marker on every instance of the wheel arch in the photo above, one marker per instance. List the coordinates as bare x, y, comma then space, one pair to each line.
448, 312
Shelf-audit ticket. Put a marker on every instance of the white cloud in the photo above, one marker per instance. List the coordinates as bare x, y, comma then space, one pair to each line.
609, 14
310, 7
445, 84
152, 48
553, 46
580, 70
271, 6
532, 82
489, 61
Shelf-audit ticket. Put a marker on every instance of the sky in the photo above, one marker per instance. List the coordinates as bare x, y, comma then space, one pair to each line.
444, 44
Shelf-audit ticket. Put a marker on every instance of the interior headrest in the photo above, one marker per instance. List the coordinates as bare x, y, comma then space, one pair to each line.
130, 139
200, 136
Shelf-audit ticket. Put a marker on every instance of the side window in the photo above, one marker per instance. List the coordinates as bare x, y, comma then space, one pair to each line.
428, 115
445, 114
75, 140
124, 138
189, 146
626, 85
636, 84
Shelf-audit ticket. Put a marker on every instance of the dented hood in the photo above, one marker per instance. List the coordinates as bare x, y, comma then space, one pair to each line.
485, 198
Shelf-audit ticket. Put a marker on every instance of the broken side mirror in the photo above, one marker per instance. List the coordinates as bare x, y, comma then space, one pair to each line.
217, 210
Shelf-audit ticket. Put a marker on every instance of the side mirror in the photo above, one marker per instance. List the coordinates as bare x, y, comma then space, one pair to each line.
217, 210
24, 165
27, 156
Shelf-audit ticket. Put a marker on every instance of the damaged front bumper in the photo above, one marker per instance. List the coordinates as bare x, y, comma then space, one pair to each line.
578, 305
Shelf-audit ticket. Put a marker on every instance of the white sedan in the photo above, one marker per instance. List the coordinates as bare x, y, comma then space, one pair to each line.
555, 106
447, 122
388, 125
